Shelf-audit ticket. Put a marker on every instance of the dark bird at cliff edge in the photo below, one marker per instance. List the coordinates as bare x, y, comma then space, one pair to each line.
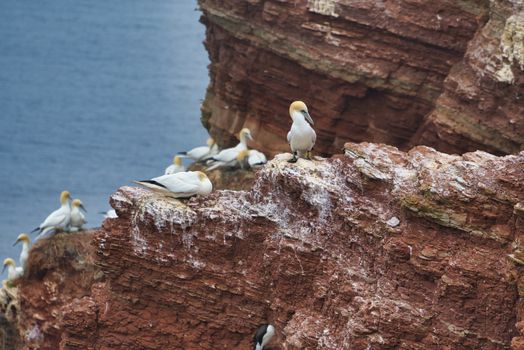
263, 336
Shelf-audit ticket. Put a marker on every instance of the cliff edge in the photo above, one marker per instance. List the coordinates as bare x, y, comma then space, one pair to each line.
373, 249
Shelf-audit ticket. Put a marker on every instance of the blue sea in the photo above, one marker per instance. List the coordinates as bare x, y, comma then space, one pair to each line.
93, 94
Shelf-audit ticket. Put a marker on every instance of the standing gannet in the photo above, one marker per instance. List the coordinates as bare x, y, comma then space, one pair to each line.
59, 219
180, 185
13, 272
176, 167
301, 137
24, 238
199, 154
263, 336
78, 218
228, 157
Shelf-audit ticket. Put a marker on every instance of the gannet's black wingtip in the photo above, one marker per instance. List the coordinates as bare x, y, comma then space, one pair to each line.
152, 182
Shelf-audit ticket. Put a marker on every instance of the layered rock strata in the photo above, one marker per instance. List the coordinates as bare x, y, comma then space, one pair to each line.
60, 274
374, 249
445, 74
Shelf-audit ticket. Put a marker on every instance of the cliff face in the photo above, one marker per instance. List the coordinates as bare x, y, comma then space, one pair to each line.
445, 74
60, 275
374, 249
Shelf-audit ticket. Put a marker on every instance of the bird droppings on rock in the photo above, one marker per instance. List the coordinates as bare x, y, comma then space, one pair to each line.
314, 248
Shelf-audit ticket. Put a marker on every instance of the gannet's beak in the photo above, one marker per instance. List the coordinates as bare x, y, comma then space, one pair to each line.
16, 242
308, 117
4, 268
249, 136
83, 208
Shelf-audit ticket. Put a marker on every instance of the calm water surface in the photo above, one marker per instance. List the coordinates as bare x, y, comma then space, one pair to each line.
93, 94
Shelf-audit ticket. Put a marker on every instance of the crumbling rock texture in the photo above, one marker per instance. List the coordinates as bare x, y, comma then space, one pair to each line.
60, 271
374, 249
447, 74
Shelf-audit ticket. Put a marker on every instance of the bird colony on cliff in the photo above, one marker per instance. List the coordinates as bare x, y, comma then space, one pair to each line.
179, 183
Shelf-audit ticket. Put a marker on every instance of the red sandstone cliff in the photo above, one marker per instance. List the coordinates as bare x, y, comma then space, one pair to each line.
375, 249
447, 74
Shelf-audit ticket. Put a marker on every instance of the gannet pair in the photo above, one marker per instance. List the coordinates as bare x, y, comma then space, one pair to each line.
263, 336
301, 137
180, 185
59, 219
24, 238
202, 153
176, 167
229, 156
13, 272
251, 158
65, 218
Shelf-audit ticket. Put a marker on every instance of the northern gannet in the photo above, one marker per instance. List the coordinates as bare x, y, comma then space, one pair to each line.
78, 218
110, 214
263, 336
229, 157
13, 272
301, 137
251, 158
59, 219
25, 247
199, 154
176, 167
256, 158
180, 185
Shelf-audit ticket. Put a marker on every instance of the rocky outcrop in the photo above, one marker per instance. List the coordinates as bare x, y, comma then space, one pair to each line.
60, 274
374, 249
441, 73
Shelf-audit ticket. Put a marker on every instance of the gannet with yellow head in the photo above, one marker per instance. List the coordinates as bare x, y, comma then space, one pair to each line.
58, 220
202, 153
228, 157
13, 272
78, 218
180, 185
26, 242
176, 167
301, 137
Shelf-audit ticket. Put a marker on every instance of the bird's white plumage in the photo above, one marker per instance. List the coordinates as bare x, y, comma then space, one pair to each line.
14, 272
182, 185
78, 219
110, 214
202, 153
228, 157
198, 153
301, 137
270, 332
24, 254
57, 220
174, 168
256, 158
